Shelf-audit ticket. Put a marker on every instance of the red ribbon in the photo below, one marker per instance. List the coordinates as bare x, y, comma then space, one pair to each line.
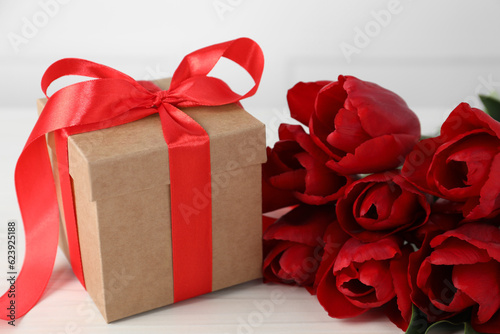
114, 99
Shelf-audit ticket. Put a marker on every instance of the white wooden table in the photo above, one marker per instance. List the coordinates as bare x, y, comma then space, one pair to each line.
252, 307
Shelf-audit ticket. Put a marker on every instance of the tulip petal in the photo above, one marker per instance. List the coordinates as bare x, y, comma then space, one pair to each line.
267, 221
406, 210
304, 224
480, 282
452, 169
296, 133
333, 240
300, 263
464, 119
357, 251
399, 272
362, 209
374, 274
348, 133
275, 251
454, 252
472, 204
489, 201
270, 266
348, 283
394, 314
411, 202
477, 153
491, 326
274, 198
483, 236
316, 199
373, 102
334, 302
320, 180
437, 283
417, 163
301, 99
380, 198
292, 180
319, 132
329, 100
369, 158
346, 208
281, 157
424, 273
417, 276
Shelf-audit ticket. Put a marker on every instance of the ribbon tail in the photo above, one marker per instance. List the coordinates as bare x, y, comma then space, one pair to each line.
36, 190
38, 203
61, 140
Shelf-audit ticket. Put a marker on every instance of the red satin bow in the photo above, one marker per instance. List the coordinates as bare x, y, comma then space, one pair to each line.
114, 99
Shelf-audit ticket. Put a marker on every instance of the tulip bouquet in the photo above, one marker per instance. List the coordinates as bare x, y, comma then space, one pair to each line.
378, 218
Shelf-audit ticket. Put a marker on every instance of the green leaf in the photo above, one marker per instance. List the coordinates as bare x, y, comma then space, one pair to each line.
419, 325
492, 106
443, 324
469, 329
450, 325
418, 322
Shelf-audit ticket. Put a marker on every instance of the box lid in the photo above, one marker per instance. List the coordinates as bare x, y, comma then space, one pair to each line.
134, 156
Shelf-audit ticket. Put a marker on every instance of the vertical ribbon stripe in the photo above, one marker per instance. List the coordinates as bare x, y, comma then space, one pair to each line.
189, 163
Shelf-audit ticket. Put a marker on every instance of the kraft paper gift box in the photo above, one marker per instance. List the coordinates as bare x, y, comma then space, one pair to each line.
121, 191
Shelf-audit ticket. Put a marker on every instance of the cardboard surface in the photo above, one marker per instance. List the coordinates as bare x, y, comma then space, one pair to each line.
122, 200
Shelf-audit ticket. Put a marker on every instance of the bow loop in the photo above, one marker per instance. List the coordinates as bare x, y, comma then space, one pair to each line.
80, 67
192, 81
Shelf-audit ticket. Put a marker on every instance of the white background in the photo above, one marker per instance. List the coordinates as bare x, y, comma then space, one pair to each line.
430, 52
434, 54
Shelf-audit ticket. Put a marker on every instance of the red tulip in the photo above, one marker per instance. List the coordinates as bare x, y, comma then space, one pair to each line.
380, 205
363, 127
295, 172
462, 163
355, 277
293, 245
458, 270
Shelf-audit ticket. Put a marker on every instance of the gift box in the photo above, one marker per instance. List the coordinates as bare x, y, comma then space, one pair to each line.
121, 189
